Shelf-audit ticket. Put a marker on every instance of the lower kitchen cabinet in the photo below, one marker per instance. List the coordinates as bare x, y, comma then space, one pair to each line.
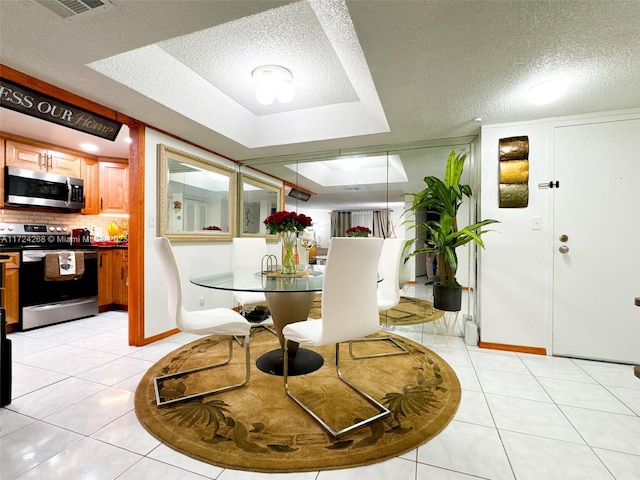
113, 278
121, 277
9, 288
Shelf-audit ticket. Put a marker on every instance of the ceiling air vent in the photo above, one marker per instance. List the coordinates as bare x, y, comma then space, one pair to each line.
71, 8
299, 194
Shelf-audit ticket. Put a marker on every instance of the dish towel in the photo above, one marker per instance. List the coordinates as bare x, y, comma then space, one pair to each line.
63, 266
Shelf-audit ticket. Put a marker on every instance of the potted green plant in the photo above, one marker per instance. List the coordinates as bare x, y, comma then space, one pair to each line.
443, 198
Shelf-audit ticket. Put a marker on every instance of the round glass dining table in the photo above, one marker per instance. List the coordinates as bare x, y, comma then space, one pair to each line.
289, 299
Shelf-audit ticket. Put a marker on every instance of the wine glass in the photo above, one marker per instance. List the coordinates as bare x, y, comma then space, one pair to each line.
307, 243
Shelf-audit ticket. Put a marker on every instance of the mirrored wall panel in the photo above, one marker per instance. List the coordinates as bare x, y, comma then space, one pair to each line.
196, 197
257, 200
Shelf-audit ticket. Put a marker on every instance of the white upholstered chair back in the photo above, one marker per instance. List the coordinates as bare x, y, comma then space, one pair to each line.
172, 278
214, 320
389, 268
349, 299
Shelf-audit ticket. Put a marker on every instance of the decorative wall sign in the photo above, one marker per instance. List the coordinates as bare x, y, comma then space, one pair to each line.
21, 99
514, 172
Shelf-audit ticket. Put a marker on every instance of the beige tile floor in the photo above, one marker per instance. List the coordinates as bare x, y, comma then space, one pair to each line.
521, 416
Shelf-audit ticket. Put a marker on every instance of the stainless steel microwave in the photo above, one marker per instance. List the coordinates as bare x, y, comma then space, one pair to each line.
25, 187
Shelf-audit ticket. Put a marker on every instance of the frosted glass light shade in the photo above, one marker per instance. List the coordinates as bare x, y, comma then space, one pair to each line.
273, 81
546, 92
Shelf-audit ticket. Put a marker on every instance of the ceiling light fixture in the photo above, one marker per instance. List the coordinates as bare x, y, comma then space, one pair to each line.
89, 147
273, 82
546, 92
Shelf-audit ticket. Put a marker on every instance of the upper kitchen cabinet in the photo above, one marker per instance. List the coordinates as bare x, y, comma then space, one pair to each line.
90, 177
38, 157
113, 177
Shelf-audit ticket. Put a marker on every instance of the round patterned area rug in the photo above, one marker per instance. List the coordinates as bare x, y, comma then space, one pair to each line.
408, 311
259, 428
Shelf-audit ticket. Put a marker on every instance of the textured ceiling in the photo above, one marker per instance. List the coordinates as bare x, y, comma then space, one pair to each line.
433, 65
206, 76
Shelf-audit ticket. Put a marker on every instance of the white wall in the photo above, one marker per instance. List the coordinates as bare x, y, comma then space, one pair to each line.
512, 281
193, 258
516, 269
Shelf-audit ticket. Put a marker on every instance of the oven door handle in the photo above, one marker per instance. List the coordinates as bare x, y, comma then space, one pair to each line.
33, 256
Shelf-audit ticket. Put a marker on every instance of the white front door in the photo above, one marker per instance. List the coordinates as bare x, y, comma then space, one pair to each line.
597, 208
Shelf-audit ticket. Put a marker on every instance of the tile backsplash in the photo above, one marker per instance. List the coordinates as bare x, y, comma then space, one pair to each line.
97, 224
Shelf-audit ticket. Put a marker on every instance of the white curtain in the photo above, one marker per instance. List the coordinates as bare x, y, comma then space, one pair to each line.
362, 219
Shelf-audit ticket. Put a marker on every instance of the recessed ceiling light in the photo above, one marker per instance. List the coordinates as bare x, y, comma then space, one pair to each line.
89, 147
546, 92
128, 140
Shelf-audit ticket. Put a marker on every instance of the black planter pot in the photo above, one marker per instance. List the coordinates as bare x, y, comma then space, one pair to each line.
447, 297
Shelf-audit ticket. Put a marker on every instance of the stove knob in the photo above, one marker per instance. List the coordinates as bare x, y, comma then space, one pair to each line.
58, 229
52, 229
10, 228
1, 228
64, 229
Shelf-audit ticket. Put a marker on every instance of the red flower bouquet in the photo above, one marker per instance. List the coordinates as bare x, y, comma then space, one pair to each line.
284, 221
358, 231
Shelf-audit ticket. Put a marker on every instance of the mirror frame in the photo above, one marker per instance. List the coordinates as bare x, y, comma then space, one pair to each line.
264, 185
165, 153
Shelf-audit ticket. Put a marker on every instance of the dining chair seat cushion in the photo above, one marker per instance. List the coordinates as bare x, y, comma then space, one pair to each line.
214, 321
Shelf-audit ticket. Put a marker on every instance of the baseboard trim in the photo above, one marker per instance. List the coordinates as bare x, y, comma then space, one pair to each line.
513, 348
160, 336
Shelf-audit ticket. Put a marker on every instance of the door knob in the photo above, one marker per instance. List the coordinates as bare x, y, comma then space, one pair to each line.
563, 249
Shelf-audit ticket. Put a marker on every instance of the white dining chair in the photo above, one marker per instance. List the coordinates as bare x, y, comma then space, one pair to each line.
214, 321
388, 293
349, 311
248, 252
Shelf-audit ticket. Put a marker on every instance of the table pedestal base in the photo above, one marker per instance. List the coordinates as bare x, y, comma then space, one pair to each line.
305, 361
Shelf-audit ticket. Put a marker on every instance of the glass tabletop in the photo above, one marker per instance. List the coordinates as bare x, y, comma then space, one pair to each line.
251, 279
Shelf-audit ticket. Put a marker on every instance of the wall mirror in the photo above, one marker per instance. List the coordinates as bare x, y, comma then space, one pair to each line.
258, 199
196, 197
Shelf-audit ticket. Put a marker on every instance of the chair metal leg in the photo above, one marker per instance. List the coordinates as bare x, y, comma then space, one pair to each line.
266, 327
158, 380
374, 355
383, 411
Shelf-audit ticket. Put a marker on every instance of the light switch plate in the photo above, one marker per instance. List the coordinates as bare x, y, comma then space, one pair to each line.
536, 223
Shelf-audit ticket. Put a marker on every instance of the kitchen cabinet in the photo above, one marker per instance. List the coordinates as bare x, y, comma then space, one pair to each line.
39, 157
114, 187
89, 174
113, 278
120, 276
105, 278
9, 287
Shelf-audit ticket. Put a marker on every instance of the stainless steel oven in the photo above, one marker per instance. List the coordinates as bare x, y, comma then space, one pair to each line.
57, 281
48, 299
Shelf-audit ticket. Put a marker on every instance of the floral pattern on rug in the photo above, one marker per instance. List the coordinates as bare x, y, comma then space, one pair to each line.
259, 428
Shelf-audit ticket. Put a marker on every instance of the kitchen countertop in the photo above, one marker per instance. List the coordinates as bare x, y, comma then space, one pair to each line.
109, 244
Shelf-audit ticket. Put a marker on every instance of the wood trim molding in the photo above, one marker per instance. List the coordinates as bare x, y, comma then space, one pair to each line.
160, 336
63, 95
513, 348
136, 235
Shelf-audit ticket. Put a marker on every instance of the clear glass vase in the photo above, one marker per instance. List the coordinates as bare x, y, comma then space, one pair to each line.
289, 240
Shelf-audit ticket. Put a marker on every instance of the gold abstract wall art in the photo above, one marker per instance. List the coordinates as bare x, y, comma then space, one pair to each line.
514, 172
